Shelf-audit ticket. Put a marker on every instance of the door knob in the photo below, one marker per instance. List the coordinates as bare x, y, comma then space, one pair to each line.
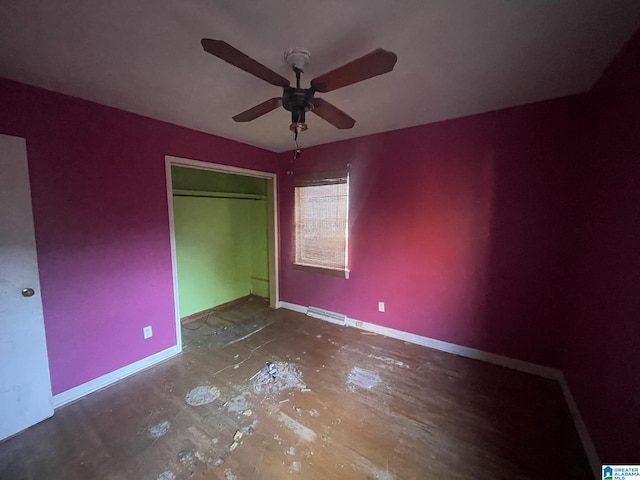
28, 292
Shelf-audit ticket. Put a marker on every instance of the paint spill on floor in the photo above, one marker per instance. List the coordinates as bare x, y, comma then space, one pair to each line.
390, 361
287, 377
362, 378
159, 429
167, 475
202, 395
251, 428
238, 404
186, 458
300, 430
228, 474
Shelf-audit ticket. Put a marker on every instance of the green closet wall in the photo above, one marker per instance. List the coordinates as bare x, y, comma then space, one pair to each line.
221, 243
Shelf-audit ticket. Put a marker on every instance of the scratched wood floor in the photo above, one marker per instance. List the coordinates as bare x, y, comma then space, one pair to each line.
218, 328
377, 408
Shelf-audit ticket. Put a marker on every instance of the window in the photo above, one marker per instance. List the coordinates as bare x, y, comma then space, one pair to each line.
321, 222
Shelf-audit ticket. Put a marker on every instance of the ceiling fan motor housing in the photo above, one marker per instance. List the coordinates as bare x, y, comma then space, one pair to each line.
298, 101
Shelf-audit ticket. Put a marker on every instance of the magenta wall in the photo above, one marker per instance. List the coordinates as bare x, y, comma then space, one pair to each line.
101, 222
603, 349
515, 232
456, 226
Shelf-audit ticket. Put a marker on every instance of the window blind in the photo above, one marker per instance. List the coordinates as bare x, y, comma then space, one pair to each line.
321, 220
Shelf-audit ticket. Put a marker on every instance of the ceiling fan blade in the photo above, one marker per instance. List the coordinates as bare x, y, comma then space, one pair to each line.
332, 114
370, 65
258, 110
235, 57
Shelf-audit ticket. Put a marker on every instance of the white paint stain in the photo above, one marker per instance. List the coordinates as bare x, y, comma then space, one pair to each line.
287, 377
159, 429
202, 395
251, 428
362, 378
291, 451
228, 474
186, 457
167, 475
295, 466
300, 430
239, 404
390, 361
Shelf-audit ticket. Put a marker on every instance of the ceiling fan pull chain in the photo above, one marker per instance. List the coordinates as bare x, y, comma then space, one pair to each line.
297, 152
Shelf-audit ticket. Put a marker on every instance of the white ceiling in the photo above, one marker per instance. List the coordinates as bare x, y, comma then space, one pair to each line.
455, 57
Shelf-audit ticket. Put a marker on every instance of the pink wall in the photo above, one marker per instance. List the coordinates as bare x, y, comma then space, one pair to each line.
603, 349
101, 221
456, 226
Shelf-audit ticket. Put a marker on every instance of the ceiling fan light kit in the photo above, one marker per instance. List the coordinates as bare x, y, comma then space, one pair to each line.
297, 58
299, 100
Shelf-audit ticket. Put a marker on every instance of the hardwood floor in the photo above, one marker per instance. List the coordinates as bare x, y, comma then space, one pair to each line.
344, 405
222, 326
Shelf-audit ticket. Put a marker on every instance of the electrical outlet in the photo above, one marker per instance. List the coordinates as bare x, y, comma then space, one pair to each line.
358, 324
381, 306
147, 332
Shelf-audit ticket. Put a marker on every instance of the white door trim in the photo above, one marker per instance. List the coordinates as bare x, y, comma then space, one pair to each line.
273, 241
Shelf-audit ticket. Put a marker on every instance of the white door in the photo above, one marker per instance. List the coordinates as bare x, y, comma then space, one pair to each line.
25, 386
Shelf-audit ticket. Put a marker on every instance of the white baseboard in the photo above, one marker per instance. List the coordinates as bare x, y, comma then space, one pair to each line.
513, 363
474, 353
293, 307
91, 386
455, 349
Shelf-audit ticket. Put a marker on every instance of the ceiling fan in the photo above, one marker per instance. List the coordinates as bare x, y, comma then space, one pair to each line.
299, 100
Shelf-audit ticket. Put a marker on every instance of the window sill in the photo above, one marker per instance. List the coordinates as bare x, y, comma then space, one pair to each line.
335, 272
